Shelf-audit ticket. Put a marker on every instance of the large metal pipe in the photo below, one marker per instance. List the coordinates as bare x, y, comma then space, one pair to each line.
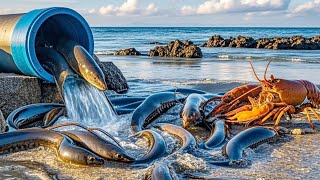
20, 34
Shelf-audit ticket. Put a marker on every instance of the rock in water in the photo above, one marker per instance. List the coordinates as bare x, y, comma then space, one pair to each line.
155, 42
217, 41
127, 52
294, 42
114, 77
2, 123
177, 48
241, 41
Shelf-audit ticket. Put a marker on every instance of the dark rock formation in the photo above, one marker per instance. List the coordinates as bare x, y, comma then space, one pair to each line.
19, 90
177, 48
114, 77
241, 41
218, 41
294, 42
49, 92
127, 52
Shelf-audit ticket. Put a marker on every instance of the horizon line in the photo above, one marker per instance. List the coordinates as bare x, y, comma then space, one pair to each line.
300, 27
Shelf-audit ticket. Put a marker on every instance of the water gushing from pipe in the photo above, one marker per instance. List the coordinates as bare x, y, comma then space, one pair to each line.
86, 104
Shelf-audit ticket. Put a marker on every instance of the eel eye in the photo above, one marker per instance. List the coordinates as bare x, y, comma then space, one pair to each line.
91, 158
119, 156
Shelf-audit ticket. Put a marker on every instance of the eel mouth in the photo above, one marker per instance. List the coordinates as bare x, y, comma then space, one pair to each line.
191, 120
95, 161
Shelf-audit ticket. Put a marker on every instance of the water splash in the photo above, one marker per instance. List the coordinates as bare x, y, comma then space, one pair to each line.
86, 104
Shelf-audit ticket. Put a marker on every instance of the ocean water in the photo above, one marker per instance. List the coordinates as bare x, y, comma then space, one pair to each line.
217, 64
292, 157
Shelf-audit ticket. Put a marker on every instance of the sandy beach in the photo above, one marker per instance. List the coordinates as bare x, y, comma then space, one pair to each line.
269, 161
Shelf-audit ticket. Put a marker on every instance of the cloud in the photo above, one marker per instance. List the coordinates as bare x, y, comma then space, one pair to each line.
254, 15
6, 10
91, 11
107, 10
151, 9
222, 6
129, 7
188, 10
312, 6
13, 10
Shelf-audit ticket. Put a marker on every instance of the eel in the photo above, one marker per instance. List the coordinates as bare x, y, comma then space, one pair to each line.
121, 111
82, 63
55, 63
161, 172
189, 143
218, 136
126, 109
251, 137
52, 116
29, 114
133, 105
99, 145
192, 112
121, 101
158, 146
153, 107
64, 148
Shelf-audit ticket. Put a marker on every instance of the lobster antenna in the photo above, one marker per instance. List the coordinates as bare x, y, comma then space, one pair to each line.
255, 74
265, 72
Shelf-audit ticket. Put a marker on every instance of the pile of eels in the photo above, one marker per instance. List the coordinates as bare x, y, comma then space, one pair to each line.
35, 125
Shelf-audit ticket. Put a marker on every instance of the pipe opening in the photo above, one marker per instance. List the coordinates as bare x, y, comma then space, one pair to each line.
61, 26
44, 28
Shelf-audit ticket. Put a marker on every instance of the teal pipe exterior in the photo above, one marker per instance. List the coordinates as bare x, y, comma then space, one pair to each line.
20, 35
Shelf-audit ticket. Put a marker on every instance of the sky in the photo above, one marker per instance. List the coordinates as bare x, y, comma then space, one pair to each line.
244, 13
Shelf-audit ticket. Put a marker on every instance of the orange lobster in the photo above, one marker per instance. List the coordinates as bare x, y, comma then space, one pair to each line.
234, 98
277, 97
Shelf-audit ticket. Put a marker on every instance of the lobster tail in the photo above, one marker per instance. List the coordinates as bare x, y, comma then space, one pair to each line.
313, 92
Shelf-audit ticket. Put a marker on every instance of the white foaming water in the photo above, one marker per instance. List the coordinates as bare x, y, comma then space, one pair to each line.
86, 104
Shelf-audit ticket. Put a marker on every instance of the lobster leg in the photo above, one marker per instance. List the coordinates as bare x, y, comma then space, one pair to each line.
273, 112
277, 113
232, 106
213, 99
215, 109
308, 116
289, 109
240, 109
306, 107
254, 114
227, 105
315, 113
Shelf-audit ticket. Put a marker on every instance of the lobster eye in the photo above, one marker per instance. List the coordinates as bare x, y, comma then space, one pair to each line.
275, 80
